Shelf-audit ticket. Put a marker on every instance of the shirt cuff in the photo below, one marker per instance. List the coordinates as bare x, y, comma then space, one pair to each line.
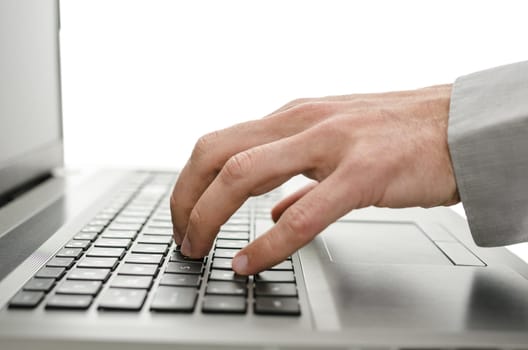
488, 143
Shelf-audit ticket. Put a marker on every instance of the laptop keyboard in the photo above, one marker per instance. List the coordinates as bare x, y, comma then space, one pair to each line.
124, 259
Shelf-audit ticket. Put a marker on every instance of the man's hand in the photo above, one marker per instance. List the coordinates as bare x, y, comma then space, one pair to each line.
386, 150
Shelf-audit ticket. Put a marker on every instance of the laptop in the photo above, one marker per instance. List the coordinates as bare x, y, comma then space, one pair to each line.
93, 264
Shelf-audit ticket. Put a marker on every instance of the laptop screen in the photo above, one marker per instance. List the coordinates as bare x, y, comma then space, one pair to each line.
30, 112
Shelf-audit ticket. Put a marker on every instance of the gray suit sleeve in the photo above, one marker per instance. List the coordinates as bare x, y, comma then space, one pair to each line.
488, 142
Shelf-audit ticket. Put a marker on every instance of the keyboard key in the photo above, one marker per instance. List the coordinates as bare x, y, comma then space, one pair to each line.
192, 268
113, 243
275, 289
98, 263
82, 244
26, 299
176, 299
119, 234
157, 231
178, 256
79, 287
60, 262
150, 249
224, 275
234, 228
224, 304
222, 264
99, 222
233, 235
125, 227
89, 274
74, 302
154, 239
160, 224
95, 229
135, 282
155, 259
285, 265
277, 306
225, 253
122, 299
39, 284
130, 220
69, 253
106, 252
85, 236
238, 221
180, 280
230, 244
51, 272
227, 288
138, 270
275, 276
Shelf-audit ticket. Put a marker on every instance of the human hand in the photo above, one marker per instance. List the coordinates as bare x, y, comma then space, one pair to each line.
386, 150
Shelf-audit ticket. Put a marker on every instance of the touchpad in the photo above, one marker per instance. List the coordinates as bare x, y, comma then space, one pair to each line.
351, 242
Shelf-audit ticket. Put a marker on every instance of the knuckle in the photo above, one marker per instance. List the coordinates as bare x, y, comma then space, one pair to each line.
297, 221
204, 145
237, 167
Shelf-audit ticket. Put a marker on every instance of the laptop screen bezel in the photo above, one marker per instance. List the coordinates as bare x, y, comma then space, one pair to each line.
41, 160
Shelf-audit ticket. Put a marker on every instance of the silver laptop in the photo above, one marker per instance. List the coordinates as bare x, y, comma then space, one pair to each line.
94, 264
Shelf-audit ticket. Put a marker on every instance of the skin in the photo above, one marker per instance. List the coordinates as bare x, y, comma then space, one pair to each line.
384, 150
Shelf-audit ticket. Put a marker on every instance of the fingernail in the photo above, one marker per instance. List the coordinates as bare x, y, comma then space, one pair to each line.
240, 264
186, 246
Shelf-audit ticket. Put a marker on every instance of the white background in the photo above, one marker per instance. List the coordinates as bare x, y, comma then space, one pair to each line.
142, 79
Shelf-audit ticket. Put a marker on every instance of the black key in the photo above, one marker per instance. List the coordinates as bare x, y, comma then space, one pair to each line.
79, 287
154, 239
125, 227
40, 284
106, 252
144, 259
275, 276
60, 262
85, 236
285, 265
227, 288
96, 229
157, 231
113, 243
134, 282
275, 289
51, 272
222, 264
119, 234
74, 302
180, 280
277, 306
191, 268
231, 244
224, 304
224, 275
98, 263
178, 256
225, 253
176, 299
150, 249
138, 270
69, 253
26, 299
89, 274
82, 244
122, 299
